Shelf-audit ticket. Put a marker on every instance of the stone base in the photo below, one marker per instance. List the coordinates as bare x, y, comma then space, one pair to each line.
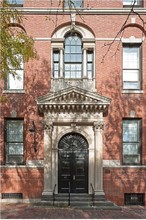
47, 195
99, 193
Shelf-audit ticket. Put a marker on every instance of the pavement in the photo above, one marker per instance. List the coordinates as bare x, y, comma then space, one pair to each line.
30, 211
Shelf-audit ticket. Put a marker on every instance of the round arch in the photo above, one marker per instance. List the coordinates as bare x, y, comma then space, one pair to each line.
71, 130
83, 31
73, 163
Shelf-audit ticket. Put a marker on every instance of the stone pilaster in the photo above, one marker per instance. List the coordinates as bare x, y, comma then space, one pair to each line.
61, 63
84, 63
98, 169
48, 160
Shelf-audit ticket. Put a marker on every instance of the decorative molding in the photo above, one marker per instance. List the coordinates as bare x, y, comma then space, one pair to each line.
117, 164
84, 40
29, 164
111, 163
95, 11
42, 38
132, 39
35, 163
99, 125
73, 99
48, 127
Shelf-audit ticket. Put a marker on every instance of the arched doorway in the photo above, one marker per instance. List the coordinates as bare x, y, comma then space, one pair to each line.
73, 164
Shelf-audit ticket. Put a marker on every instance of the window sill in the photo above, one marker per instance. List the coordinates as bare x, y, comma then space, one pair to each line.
132, 91
14, 91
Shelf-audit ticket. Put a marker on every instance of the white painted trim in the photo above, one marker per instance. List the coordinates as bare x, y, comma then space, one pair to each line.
14, 91
29, 164
60, 33
117, 164
132, 91
132, 39
107, 39
42, 38
20, 200
106, 11
96, 39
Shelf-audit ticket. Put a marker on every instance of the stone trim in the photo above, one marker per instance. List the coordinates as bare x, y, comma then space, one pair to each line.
117, 164
14, 91
132, 91
86, 40
115, 11
29, 164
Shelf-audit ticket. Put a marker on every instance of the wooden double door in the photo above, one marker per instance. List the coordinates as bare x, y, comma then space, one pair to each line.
73, 164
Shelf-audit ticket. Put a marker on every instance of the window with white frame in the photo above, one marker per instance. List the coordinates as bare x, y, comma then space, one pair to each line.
73, 56
132, 73
90, 63
15, 77
56, 63
73, 3
132, 141
129, 3
14, 141
73, 61
16, 3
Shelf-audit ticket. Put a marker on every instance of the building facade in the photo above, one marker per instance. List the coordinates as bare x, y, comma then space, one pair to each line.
76, 115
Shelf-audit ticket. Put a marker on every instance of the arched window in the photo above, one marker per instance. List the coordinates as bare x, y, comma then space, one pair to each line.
73, 56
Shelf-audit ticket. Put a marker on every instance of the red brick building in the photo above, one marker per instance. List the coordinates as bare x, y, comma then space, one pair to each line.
76, 116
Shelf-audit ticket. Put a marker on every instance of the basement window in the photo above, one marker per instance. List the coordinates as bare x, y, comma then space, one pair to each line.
12, 195
134, 199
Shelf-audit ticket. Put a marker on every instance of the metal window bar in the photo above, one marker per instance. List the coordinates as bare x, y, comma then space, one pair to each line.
12, 195
69, 193
134, 199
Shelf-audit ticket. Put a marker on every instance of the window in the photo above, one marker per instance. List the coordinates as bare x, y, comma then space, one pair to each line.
90, 64
73, 57
73, 3
129, 3
15, 82
132, 67
56, 63
134, 198
132, 141
14, 141
16, 3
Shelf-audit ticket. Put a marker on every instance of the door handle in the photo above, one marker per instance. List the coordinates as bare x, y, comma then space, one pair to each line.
74, 177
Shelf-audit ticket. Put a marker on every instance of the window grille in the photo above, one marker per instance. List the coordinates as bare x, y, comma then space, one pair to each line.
134, 199
12, 195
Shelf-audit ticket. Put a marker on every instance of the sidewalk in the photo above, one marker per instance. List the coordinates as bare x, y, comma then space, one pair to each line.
29, 211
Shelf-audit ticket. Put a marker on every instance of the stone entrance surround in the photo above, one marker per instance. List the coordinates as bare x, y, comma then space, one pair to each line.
73, 110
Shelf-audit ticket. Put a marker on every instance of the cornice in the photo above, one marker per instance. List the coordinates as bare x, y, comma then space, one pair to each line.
48, 11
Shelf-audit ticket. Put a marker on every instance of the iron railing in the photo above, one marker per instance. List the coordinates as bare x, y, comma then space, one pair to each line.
93, 195
69, 193
54, 194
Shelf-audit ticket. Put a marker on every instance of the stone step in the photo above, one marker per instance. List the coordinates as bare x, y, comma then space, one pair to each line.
78, 201
77, 206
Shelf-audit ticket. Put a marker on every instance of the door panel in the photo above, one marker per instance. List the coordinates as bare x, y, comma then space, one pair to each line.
73, 164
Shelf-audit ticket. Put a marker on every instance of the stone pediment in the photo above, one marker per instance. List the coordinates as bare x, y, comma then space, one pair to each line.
73, 98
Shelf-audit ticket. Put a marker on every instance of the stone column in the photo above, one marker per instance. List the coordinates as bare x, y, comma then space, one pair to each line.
48, 160
84, 63
61, 63
98, 164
